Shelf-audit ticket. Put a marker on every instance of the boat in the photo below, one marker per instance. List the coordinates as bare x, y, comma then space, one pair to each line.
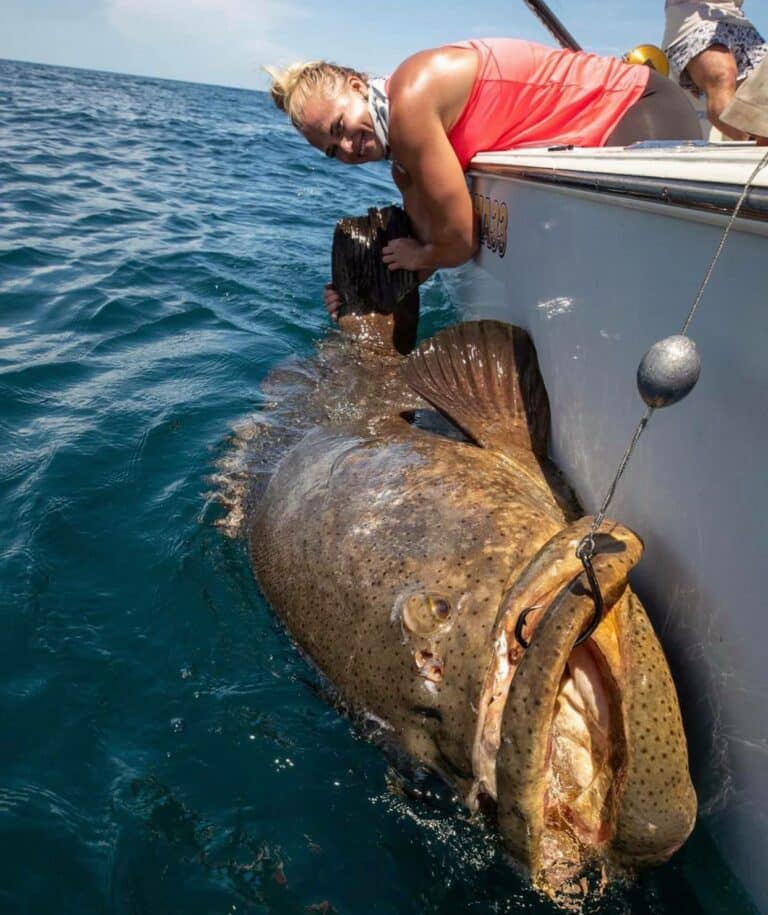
599, 253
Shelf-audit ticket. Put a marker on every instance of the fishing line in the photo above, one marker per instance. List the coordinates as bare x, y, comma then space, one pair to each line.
667, 372
655, 398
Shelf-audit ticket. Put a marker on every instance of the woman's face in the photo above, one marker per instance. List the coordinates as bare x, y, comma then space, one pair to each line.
340, 125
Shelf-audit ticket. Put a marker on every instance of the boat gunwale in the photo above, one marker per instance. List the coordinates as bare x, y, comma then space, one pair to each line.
711, 196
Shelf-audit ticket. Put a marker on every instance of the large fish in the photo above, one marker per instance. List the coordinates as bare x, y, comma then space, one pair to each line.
407, 516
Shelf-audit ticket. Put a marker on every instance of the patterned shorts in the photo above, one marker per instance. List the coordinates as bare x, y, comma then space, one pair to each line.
742, 40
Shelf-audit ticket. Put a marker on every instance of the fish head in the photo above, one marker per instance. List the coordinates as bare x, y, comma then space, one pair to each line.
591, 768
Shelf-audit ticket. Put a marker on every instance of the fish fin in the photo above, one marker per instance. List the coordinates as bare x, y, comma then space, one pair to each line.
484, 375
362, 279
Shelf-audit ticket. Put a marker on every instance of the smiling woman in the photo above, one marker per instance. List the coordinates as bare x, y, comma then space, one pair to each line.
329, 105
442, 106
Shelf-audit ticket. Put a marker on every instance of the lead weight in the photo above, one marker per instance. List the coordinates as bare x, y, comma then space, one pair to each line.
668, 371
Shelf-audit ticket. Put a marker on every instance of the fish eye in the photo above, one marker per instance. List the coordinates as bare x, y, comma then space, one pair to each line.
425, 613
440, 607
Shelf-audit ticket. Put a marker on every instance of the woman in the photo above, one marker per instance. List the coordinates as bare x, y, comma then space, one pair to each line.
442, 106
712, 46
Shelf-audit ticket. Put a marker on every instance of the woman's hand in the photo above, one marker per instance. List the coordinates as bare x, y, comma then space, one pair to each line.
332, 301
405, 254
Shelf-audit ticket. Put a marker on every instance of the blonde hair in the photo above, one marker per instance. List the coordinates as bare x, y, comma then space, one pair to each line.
292, 87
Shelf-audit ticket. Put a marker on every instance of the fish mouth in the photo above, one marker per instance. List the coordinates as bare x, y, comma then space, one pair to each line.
563, 738
552, 569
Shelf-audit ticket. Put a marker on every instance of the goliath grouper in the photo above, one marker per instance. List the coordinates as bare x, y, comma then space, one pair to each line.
400, 550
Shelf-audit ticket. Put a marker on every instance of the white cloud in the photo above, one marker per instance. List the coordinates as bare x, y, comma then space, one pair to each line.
207, 36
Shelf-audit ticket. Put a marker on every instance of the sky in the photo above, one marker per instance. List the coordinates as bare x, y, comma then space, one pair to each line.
225, 42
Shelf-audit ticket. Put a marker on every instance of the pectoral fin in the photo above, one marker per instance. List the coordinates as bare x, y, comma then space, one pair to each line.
485, 377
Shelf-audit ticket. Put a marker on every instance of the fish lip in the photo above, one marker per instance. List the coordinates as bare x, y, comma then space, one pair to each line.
506, 655
617, 823
536, 587
525, 793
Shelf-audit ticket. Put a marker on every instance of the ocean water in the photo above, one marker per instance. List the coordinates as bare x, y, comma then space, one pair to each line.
164, 748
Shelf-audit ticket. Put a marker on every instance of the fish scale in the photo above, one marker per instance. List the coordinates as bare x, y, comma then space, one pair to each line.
360, 604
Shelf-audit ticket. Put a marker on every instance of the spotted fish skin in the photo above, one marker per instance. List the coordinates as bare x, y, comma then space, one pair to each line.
645, 806
399, 553
353, 525
658, 803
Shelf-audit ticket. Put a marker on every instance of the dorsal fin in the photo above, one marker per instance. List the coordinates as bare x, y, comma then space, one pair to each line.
484, 376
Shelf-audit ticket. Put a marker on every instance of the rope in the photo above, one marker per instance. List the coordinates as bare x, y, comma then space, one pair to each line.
761, 164
587, 544
586, 548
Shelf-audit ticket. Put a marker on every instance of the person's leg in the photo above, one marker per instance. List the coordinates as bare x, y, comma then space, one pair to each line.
748, 109
715, 73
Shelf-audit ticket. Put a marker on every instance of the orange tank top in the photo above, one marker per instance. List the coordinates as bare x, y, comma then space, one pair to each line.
526, 94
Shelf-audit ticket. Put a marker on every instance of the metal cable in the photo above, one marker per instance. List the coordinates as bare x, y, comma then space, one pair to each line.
761, 164
586, 547
600, 516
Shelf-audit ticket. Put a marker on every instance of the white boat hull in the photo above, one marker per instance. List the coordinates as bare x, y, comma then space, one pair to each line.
596, 278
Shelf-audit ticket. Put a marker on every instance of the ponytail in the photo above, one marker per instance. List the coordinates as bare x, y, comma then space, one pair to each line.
292, 87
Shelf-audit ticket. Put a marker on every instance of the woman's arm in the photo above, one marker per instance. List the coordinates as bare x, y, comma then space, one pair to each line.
417, 214
440, 205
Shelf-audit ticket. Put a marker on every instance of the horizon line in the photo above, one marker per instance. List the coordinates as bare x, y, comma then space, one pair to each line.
164, 79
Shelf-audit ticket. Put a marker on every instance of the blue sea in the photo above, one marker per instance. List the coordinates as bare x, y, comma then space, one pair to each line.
164, 749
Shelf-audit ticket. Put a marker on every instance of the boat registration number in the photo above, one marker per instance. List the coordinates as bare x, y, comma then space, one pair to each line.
493, 216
